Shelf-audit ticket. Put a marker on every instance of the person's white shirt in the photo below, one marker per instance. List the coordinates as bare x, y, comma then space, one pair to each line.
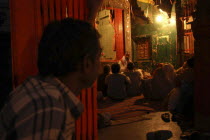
123, 63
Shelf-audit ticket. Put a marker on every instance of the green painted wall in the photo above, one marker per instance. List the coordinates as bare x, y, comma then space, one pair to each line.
163, 34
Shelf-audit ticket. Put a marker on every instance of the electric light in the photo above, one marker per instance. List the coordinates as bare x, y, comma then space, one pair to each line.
159, 18
172, 21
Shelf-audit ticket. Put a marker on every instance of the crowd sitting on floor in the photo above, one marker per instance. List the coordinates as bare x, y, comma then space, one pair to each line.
119, 84
164, 84
174, 88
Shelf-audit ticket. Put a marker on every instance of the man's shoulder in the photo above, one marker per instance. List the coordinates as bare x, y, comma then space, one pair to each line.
33, 92
30, 99
122, 75
110, 75
34, 86
102, 76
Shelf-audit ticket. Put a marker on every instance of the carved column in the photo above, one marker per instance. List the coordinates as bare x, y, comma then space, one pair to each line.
201, 32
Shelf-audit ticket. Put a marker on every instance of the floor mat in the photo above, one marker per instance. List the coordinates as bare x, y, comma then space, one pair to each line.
129, 110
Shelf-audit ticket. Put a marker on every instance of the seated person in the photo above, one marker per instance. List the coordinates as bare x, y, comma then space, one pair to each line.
124, 62
161, 84
157, 65
163, 81
136, 68
181, 101
117, 83
141, 71
186, 72
101, 86
135, 76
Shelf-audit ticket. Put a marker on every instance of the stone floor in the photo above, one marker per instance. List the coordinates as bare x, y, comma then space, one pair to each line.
141, 130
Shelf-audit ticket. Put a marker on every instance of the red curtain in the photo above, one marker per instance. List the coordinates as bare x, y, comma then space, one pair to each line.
28, 17
119, 33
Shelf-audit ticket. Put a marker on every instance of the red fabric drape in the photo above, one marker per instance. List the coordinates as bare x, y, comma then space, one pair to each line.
119, 33
28, 18
23, 39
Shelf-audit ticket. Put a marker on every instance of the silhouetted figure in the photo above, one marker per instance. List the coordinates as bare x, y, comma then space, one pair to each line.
181, 100
161, 84
135, 76
117, 83
46, 106
101, 86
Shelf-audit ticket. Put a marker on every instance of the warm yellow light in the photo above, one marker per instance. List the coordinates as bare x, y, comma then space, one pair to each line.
159, 18
172, 21
161, 10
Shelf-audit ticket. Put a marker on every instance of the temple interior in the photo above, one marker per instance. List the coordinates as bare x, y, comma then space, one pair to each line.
150, 32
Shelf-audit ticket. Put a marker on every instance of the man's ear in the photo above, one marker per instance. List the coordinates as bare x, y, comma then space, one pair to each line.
86, 65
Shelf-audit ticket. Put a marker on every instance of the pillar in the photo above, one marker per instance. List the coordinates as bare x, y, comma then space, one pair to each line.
201, 32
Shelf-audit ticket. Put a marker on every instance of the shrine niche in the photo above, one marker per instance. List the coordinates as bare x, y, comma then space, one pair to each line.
105, 26
113, 23
143, 48
142, 52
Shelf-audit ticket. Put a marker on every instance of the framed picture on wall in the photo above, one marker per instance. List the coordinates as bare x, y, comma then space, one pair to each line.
143, 48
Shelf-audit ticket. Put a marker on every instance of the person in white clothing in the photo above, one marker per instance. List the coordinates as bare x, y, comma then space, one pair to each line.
124, 62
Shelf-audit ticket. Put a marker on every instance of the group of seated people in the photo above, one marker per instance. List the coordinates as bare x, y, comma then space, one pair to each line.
119, 85
165, 84
174, 88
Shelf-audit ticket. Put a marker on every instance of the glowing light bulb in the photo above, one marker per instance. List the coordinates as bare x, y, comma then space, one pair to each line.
159, 18
172, 21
